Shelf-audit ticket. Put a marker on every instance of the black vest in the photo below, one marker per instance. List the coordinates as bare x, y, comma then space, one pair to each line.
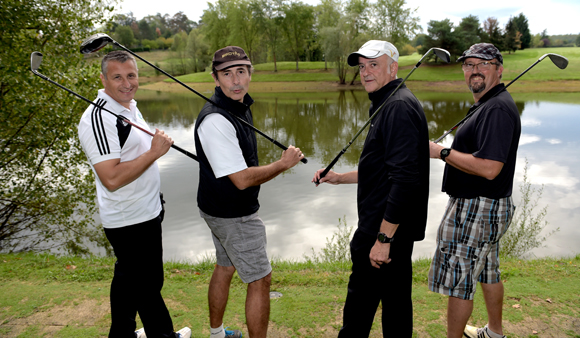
219, 197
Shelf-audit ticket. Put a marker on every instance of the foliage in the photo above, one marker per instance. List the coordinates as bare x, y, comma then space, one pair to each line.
441, 34
47, 194
469, 32
511, 41
337, 248
393, 22
522, 25
527, 224
297, 27
125, 36
197, 51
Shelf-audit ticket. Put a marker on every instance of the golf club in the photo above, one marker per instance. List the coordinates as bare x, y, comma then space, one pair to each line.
36, 60
97, 41
439, 52
560, 62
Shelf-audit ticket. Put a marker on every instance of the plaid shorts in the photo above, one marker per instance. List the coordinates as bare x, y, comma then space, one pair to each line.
468, 245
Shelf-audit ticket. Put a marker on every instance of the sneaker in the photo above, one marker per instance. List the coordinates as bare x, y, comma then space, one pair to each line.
140, 333
183, 333
233, 333
476, 332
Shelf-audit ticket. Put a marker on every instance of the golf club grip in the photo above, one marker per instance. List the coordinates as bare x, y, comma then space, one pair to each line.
325, 172
280, 145
185, 152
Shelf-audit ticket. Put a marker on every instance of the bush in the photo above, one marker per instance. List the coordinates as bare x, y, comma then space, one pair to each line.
407, 50
523, 234
337, 249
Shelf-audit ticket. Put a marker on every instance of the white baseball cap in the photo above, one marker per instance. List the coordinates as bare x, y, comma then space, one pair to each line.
372, 50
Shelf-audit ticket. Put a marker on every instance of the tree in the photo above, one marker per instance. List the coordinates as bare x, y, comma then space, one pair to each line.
328, 14
47, 192
578, 41
244, 28
393, 22
356, 27
179, 46
469, 32
198, 50
441, 34
179, 22
269, 17
125, 36
491, 27
511, 37
522, 26
215, 23
146, 31
297, 27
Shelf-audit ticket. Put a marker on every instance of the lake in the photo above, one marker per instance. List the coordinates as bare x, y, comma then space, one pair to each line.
299, 217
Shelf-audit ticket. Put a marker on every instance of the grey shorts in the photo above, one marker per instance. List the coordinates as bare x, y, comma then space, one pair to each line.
240, 242
468, 245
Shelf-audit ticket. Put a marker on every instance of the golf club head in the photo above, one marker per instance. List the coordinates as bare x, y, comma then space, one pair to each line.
95, 42
35, 61
442, 54
560, 61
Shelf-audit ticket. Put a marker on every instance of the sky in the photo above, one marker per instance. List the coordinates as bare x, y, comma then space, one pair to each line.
557, 16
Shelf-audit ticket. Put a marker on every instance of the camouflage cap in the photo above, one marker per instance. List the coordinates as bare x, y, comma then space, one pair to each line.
485, 51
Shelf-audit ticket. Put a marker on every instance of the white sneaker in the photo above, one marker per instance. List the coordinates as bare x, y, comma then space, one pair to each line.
140, 333
184, 333
476, 332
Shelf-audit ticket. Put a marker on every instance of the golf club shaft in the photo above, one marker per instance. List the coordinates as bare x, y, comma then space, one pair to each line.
468, 116
187, 153
325, 172
303, 160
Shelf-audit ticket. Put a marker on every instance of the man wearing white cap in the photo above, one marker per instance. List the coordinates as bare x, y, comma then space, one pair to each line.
393, 190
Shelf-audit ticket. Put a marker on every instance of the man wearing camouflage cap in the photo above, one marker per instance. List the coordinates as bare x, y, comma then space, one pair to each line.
478, 177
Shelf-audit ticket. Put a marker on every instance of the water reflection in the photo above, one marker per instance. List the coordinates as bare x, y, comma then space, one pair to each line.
299, 216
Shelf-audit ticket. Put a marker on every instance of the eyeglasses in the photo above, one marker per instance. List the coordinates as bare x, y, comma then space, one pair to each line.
468, 67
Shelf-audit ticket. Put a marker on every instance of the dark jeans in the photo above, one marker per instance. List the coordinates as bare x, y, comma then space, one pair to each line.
137, 282
391, 285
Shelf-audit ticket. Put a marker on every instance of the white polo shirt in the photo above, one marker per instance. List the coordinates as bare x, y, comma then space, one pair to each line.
221, 145
103, 139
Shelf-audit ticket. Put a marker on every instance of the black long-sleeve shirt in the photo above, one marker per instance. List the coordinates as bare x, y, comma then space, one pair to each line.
393, 172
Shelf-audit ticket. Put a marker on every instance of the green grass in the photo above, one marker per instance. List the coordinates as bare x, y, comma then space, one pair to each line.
38, 289
514, 64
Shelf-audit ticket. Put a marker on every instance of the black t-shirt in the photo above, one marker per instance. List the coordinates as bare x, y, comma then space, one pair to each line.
393, 172
492, 133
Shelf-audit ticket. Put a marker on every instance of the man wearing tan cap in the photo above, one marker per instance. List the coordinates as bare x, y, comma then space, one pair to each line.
227, 197
393, 190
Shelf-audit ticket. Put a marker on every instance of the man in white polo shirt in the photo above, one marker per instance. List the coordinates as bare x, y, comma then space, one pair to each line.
227, 197
123, 159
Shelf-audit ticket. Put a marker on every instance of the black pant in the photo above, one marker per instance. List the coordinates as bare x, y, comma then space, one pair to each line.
137, 282
391, 285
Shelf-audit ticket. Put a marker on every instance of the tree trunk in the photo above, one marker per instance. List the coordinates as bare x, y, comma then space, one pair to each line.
297, 61
275, 66
354, 77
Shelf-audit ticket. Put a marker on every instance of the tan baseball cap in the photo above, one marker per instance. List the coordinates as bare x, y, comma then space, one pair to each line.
230, 56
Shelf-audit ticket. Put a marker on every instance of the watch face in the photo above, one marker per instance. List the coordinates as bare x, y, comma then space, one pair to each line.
381, 237
445, 152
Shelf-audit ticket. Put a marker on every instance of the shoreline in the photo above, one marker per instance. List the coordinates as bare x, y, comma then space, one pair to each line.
562, 86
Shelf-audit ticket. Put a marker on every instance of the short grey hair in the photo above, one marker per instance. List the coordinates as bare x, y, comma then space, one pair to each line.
116, 55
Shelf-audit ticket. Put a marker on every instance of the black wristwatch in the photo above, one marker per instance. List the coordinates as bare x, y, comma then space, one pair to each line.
444, 153
383, 238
